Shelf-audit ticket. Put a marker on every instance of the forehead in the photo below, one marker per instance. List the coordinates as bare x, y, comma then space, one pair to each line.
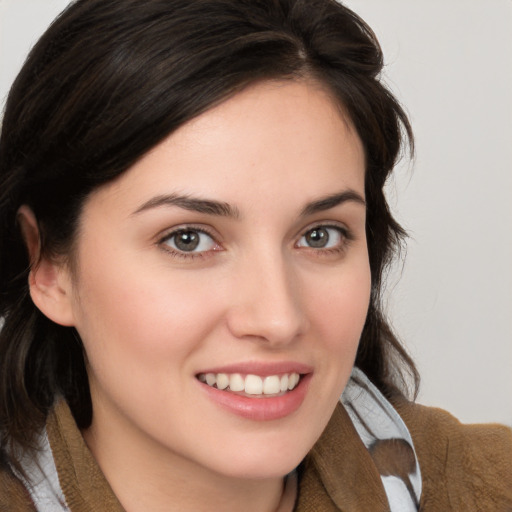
283, 139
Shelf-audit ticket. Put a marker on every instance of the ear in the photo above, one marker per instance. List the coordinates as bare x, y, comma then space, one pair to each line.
49, 281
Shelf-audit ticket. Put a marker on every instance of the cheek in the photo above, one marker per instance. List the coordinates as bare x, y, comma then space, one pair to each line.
338, 311
142, 319
340, 307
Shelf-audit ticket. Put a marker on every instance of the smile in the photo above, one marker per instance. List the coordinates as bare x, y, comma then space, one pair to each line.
252, 385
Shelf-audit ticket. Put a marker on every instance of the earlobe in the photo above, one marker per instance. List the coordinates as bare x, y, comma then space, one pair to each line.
49, 281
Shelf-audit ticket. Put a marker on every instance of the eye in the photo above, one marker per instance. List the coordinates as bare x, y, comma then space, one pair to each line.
323, 237
190, 241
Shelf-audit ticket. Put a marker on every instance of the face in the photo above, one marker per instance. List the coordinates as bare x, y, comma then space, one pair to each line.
229, 263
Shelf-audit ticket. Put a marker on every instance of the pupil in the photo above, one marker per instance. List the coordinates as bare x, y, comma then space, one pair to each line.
317, 237
187, 240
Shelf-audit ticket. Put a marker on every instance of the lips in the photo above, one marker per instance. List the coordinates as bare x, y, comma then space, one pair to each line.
257, 391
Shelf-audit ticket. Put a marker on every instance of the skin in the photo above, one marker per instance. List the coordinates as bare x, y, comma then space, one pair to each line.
152, 318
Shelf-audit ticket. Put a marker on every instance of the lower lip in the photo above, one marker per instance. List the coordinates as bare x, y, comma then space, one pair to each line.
261, 408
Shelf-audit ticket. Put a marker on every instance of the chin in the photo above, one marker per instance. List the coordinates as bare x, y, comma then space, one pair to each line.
269, 461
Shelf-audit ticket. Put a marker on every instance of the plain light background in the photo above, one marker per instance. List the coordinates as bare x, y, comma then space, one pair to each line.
450, 63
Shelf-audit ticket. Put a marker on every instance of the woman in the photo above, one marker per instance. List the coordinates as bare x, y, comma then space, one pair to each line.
193, 238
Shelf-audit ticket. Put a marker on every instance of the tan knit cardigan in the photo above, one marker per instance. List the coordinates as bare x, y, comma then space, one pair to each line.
465, 468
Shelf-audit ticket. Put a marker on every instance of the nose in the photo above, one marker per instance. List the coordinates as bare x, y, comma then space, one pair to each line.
267, 303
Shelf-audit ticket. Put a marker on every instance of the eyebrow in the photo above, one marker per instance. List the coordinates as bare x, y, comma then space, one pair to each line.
222, 209
331, 201
207, 206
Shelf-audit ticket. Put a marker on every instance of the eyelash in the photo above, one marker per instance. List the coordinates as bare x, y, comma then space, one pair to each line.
345, 236
184, 255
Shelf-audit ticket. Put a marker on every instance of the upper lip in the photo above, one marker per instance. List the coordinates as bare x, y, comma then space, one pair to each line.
261, 368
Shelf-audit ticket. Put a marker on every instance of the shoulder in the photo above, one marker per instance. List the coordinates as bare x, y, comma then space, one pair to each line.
468, 467
13, 494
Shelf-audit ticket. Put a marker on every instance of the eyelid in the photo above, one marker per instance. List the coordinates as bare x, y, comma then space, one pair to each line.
345, 234
170, 232
342, 227
165, 233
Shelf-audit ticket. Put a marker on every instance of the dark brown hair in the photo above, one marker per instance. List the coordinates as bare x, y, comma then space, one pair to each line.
111, 79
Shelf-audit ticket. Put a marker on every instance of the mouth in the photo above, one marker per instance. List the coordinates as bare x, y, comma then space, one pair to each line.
258, 391
251, 385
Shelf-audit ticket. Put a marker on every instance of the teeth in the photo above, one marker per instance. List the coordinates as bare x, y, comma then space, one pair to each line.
271, 385
236, 382
252, 384
283, 385
293, 380
222, 381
